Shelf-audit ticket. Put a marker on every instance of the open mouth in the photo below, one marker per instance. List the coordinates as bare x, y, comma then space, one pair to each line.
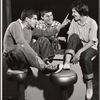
50, 21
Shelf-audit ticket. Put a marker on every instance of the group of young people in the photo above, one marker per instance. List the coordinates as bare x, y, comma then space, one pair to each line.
20, 50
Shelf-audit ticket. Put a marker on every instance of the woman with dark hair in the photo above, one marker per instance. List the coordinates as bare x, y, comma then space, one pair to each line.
82, 43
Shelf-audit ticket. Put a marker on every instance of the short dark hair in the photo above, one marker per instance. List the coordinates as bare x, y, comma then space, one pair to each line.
45, 10
28, 12
81, 7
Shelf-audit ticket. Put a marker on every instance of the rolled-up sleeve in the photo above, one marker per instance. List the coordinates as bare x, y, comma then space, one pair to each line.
40, 32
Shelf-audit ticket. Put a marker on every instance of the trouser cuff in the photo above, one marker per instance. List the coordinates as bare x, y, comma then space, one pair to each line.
70, 51
89, 76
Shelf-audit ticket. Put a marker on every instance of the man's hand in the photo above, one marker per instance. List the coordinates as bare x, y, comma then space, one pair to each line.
64, 23
62, 39
41, 62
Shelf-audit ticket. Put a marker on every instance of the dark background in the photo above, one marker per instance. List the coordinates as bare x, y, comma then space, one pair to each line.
13, 8
60, 9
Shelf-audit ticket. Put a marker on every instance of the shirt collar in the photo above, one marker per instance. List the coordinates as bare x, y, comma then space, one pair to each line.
45, 23
84, 22
20, 21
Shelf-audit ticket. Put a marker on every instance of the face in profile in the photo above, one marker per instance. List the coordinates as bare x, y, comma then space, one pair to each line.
31, 22
76, 15
48, 18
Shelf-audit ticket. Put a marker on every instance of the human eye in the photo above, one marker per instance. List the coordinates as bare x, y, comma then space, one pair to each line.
47, 16
51, 15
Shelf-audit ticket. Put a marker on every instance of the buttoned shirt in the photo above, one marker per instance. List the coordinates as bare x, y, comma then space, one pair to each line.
41, 25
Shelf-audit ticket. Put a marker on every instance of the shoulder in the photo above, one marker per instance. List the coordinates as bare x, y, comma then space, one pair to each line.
10, 28
13, 27
91, 21
14, 24
56, 22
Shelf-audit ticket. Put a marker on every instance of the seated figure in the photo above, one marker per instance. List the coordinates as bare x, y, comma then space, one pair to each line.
47, 22
19, 50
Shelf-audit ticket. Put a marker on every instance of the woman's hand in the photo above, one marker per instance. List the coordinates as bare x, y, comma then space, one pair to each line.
76, 58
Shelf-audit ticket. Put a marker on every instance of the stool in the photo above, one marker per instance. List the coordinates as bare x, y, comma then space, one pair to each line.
64, 79
18, 76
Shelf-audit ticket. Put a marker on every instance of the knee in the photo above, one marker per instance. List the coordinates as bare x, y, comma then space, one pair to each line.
73, 36
85, 59
44, 39
15, 59
14, 51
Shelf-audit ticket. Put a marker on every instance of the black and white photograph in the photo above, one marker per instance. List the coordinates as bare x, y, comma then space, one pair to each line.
49, 49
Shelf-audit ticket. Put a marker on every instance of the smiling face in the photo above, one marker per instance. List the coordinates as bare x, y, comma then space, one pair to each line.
76, 15
48, 18
31, 22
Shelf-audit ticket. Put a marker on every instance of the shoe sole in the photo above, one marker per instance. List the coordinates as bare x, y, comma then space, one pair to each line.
60, 68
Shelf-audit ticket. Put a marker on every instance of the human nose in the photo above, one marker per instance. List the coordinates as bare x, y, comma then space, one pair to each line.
51, 17
72, 14
36, 21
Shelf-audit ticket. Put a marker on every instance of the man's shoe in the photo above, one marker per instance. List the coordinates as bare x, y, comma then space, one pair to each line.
53, 69
89, 93
60, 67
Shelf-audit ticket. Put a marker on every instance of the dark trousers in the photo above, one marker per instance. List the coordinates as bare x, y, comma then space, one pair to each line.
74, 44
18, 57
44, 48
